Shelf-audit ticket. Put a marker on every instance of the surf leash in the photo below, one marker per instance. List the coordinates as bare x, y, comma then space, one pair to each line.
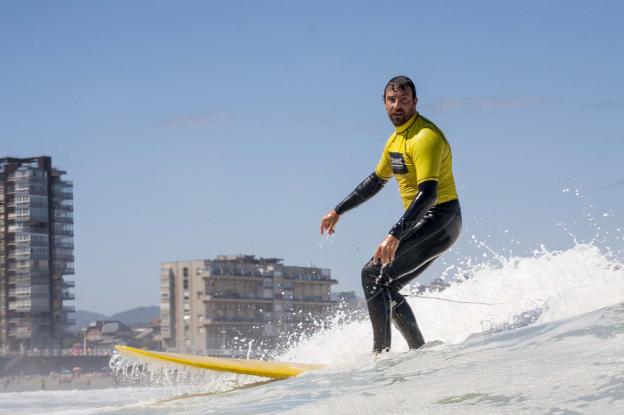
452, 301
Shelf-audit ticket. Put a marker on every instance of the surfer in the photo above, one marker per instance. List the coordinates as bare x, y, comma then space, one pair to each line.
418, 155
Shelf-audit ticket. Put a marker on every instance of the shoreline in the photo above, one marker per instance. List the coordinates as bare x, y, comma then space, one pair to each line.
54, 382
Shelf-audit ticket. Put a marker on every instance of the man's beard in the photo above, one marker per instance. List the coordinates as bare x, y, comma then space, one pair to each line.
398, 120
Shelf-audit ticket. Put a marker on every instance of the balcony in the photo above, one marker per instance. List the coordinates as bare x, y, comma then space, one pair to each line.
69, 296
239, 277
62, 232
319, 280
313, 300
67, 270
65, 196
64, 245
68, 284
63, 267
61, 219
235, 298
62, 189
63, 258
69, 309
206, 321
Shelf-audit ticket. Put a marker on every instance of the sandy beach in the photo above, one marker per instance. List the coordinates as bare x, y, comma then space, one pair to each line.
56, 382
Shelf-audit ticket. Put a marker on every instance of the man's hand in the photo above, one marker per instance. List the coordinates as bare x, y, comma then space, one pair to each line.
386, 250
329, 221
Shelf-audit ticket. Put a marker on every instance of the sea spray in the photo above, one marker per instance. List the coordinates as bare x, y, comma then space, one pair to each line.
548, 286
174, 379
502, 293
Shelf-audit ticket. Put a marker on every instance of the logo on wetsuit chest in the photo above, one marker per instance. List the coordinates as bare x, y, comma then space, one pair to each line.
398, 163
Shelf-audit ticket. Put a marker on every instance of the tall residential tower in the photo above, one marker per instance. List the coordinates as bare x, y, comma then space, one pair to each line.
36, 253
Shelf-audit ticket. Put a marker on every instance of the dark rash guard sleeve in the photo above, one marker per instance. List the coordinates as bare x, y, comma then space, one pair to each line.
424, 200
368, 188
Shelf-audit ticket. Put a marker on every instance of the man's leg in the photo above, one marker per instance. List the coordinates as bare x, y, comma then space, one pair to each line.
379, 303
405, 322
385, 304
429, 239
433, 235
403, 316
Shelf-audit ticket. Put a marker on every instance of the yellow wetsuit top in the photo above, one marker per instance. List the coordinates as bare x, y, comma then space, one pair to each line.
417, 151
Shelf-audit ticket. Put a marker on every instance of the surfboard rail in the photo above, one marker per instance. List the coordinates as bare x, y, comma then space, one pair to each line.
276, 370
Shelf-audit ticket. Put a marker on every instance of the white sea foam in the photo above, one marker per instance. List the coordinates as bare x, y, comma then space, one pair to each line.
502, 294
551, 285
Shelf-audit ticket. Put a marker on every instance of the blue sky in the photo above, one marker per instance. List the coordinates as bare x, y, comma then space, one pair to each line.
193, 129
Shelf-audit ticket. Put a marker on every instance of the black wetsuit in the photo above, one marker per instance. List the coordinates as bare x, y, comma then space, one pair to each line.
425, 232
428, 239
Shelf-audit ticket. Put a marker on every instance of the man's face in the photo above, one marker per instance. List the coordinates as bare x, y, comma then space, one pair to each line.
400, 105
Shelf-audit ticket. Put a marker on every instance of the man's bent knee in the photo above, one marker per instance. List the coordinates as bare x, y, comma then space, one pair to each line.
370, 278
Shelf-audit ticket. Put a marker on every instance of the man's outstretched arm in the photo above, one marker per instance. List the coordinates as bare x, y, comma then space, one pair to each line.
368, 188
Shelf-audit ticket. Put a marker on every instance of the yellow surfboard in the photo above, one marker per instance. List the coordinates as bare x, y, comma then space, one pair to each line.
277, 370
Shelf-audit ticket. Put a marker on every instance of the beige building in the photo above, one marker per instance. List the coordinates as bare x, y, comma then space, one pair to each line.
235, 304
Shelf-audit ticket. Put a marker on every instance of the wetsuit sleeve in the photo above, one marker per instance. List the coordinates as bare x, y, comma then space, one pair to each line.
368, 188
424, 200
427, 154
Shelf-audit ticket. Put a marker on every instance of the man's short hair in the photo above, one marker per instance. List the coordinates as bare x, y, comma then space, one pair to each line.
400, 82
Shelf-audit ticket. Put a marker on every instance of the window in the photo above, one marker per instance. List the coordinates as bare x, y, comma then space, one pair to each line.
63, 227
23, 250
63, 214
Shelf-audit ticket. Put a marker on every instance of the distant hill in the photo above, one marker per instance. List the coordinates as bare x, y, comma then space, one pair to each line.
139, 315
84, 317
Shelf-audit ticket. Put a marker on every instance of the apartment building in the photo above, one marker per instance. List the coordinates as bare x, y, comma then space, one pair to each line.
36, 253
233, 304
